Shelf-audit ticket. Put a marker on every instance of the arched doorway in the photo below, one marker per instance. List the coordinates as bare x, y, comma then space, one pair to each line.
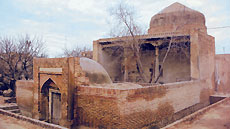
50, 104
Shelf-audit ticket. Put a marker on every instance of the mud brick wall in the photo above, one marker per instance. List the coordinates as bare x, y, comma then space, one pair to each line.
24, 96
97, 107
134, 108
155, 105
222, 73
79, 74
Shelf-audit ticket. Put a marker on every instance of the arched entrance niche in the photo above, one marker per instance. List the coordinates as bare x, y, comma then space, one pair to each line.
50, 104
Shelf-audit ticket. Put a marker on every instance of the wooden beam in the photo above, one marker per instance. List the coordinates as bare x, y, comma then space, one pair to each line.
143, 41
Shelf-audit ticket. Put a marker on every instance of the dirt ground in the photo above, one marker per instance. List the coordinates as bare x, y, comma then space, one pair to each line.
7, 122
216, 118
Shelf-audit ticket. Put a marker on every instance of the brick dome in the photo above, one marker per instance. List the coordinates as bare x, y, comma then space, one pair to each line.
176, 17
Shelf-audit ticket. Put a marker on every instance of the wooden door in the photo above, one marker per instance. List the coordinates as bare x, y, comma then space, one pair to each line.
55, 108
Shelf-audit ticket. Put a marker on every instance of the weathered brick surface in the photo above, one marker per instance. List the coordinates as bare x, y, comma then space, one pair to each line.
64, 81
133, 108
97, 107
24, 96
148, 117
98, 111
147, 93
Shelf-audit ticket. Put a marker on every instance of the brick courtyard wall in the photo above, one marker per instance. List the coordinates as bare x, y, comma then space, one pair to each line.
97, 107
134, 108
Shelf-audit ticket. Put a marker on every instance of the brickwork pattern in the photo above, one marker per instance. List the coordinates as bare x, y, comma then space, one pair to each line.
97, 111
103, 112
148, 117
132, 108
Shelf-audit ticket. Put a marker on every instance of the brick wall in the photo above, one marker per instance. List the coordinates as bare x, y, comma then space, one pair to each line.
97, 107
133, 108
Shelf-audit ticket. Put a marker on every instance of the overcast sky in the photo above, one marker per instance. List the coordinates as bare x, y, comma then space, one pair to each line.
71, 23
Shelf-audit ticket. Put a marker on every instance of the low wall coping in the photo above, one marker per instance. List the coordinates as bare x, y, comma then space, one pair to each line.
196, 114
167, 85
30, 120
119, 92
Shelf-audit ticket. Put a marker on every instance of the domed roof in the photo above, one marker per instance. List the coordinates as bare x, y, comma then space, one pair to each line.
94, 71
176, 17
176, 7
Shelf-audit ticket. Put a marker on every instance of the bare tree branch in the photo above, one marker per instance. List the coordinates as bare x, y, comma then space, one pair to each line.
16, 56
76, 52
125, 17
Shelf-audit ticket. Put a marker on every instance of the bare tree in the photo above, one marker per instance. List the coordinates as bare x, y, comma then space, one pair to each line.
10, 58
30, 48
16, 57
126, 23
77, 52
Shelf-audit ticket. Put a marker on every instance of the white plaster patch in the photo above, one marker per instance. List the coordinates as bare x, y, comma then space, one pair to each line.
50, 70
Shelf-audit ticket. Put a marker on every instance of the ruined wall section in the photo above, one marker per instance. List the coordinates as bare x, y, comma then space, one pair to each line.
112, 60
120, 62
134, 108
148, 62
177, 65
80, 78
24, 96
96, 51
222, 73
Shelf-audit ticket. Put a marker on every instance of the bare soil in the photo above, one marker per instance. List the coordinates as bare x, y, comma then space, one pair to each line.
7, 122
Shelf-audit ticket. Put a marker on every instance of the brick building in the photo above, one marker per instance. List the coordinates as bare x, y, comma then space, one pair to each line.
79, 91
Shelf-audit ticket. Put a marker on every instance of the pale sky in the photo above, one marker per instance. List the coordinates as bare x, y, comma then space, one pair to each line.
71, 23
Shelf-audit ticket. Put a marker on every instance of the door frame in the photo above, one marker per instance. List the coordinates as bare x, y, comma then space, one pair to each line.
51, 91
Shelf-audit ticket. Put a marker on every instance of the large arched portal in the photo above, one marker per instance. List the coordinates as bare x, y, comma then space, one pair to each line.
50, 107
